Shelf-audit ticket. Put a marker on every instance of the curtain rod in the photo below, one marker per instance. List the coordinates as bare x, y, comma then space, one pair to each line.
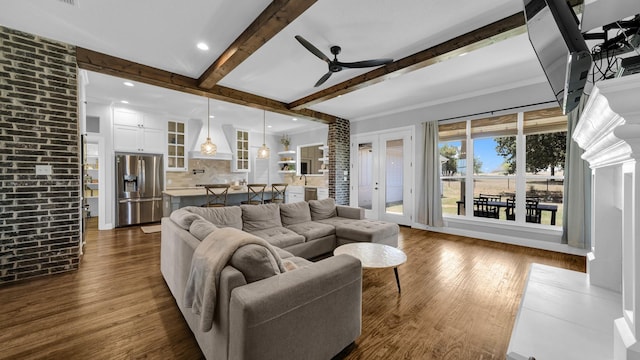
492, 112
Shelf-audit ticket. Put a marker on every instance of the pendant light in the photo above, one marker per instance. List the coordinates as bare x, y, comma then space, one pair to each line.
207, 147
264, 152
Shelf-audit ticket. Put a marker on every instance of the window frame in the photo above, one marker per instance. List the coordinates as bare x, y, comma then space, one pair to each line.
521, 176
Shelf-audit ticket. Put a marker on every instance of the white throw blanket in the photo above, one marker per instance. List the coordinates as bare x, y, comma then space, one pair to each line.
209, 258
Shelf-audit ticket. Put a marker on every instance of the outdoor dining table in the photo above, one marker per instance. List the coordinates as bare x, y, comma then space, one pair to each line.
503, 204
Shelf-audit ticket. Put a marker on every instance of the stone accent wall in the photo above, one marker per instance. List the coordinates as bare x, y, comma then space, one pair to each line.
39, 214
339, 155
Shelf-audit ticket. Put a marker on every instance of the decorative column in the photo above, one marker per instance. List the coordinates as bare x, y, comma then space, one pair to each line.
609, 132
339, 156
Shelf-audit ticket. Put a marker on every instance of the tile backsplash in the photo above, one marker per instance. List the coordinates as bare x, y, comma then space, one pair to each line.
203, 171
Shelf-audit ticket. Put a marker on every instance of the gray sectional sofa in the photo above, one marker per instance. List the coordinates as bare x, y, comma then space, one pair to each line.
271, 301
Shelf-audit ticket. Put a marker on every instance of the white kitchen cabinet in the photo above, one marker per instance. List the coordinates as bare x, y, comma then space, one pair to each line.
322, 193
176, 146
134, 132
294, 193
241, 161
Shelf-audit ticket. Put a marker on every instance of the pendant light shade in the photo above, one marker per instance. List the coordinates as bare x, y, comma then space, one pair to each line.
264, 152
208, 147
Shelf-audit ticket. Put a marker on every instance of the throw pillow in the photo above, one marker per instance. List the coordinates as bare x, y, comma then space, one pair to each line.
322, 209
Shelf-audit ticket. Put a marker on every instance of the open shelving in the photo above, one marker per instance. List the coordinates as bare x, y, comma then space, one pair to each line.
287, 162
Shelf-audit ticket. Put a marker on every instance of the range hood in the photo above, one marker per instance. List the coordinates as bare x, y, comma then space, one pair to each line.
198, 134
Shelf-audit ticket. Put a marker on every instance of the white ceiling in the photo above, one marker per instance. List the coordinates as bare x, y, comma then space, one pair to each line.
163, 34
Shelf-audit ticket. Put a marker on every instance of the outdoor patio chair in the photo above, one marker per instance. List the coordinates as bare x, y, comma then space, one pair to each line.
481, 208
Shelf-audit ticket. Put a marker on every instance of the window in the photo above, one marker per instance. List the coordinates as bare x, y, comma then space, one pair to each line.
501, 188
545, 137
453, 162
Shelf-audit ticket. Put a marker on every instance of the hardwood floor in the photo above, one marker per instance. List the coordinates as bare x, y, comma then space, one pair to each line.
459, 300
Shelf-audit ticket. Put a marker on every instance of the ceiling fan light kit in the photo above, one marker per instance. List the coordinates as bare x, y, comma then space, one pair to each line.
208, 147
335, 65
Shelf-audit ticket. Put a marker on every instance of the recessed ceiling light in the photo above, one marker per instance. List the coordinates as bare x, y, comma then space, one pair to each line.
463, 54
124, 101
202, 46
212, 116
269, 126
128, 83
294, 119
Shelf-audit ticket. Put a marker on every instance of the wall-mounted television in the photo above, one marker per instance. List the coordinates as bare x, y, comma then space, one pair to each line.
555, 35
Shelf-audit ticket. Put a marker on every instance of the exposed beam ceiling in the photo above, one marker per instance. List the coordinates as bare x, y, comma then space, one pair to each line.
110, 65
487, 35
270, 22
276, 16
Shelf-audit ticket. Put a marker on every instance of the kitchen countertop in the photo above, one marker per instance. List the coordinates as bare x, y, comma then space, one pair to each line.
199, 191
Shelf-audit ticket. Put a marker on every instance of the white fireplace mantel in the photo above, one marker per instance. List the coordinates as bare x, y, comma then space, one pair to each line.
609, 128
609, 133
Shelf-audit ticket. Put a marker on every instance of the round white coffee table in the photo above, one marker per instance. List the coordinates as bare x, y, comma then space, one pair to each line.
373, 255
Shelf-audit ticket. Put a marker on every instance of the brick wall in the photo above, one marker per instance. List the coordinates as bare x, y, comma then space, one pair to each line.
338, 141
39, 214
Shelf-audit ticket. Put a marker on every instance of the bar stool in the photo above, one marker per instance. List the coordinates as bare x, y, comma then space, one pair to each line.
255, 194
277, 193
216, 195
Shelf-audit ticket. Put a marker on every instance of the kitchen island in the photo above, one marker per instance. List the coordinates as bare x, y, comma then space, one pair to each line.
176, 198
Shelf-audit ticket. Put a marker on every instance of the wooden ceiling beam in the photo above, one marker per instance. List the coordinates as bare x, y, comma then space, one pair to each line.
476, 39
110, 65
484, 36
270, 22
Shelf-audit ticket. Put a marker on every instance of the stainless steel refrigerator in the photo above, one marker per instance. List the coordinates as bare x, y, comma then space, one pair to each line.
139, 183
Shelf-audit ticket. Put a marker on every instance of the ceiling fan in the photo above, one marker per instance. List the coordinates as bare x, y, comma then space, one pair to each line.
335, 65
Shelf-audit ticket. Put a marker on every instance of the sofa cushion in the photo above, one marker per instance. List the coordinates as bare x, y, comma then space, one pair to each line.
295, 213
312, 230
322, 209
336, 221
260, 217
298, 261
228, 216
284, 254
183, 218
255, 262
279, 236
200, 228
369, 231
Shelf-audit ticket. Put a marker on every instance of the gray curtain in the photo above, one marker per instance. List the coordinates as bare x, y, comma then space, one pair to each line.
576, 216
429, 201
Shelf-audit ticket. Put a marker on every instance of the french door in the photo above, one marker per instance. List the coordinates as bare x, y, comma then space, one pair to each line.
382, 175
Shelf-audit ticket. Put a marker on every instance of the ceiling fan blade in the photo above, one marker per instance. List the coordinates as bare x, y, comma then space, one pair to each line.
314, 50
365, 63
323, 79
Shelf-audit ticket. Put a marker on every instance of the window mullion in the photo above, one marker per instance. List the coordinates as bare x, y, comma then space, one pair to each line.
521, 169
469, 173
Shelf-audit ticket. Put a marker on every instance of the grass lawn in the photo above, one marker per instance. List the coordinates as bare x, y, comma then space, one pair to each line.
549, 192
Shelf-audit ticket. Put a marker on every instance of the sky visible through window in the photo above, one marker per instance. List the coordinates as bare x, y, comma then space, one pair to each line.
485, 151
